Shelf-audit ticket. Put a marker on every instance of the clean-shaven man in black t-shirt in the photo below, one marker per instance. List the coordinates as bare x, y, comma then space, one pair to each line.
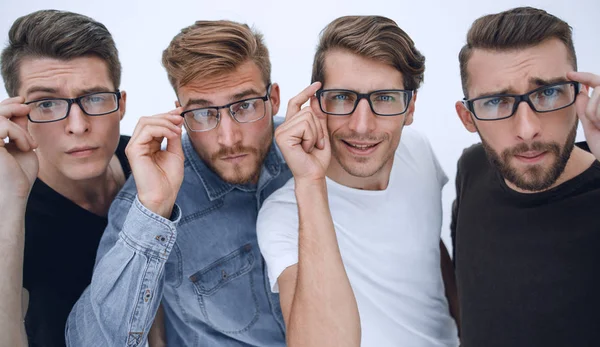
525, 221
62, 72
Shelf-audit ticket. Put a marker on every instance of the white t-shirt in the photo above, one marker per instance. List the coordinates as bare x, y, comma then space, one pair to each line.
389, 242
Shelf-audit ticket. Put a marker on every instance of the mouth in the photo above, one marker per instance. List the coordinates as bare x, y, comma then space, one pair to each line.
360, 148
531, 156
81, 151
234, 158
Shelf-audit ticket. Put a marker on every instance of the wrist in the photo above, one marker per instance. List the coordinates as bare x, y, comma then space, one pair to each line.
158, 207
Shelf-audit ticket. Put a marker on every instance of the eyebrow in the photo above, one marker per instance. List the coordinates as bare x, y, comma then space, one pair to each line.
234, 98
50, 90
538, 82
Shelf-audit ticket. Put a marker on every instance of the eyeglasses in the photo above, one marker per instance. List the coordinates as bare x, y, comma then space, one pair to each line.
342, 102
548, 98
242, 111
54, 109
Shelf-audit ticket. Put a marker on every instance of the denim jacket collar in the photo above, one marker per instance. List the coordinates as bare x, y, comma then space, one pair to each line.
215, 186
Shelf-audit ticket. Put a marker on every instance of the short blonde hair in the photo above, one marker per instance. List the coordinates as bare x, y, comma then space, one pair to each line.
211, 48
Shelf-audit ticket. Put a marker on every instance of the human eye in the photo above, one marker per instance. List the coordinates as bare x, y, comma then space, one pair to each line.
551, 92
384, 98
494, 102
96, 98
339, 96
46, 105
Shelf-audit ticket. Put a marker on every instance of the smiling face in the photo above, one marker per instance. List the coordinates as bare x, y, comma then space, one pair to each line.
78, 147
530, 149
362, 143
235, 151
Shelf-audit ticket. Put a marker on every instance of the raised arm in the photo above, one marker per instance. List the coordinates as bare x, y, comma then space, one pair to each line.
588, 108
317, 301
18, 170
119, 306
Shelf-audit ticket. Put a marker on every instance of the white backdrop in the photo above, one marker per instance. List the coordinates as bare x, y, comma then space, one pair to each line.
142, 29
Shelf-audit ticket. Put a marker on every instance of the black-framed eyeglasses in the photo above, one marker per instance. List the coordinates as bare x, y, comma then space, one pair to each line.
544, 99
242, 111
385, 102
48, 110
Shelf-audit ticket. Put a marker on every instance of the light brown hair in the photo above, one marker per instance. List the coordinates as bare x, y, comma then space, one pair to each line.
372, 37
59, 35
211, 48
518, 28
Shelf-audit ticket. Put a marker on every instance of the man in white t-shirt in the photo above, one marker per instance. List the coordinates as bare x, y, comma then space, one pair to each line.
352, 242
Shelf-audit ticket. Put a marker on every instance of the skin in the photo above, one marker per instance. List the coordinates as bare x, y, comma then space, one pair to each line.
235, 151
89, 178
317, 301
516, 72
350, 167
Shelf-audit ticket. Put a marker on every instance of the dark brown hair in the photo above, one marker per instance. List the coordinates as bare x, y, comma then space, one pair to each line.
518, 28
211, 48
372, 37
58, 35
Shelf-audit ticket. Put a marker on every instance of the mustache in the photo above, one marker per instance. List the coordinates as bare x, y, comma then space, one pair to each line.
232, 151
352, 136
534, 147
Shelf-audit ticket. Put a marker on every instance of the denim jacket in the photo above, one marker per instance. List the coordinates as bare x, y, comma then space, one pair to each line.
203, 264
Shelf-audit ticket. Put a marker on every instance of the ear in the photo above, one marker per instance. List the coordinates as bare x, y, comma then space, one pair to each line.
465, 117
177, 104
408, 118
275, 99
122, 104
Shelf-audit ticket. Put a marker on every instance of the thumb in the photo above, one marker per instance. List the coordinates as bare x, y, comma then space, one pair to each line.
174, 146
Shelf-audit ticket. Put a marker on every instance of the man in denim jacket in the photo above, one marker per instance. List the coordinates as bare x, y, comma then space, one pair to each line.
193, 249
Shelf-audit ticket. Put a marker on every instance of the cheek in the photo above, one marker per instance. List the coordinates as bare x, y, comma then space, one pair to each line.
46, 135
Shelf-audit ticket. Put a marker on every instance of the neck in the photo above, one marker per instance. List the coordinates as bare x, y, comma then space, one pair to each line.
578, 162
93, 194
377, 181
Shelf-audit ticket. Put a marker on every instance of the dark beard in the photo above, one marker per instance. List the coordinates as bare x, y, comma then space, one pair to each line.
538, 178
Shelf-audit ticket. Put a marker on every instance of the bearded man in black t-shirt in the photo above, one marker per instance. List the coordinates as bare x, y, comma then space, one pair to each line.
525, 221
62, 72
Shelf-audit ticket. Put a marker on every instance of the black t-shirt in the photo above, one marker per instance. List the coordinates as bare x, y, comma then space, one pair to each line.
526, 264
61, 240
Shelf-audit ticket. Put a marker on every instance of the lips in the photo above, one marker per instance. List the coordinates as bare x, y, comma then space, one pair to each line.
530, 156
81, 149
361, 146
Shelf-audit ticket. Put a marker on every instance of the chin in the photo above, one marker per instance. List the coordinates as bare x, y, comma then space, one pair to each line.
84, 172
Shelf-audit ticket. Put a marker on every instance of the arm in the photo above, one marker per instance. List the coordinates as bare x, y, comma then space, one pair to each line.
449, 283
18, 170
317, 301
119, 306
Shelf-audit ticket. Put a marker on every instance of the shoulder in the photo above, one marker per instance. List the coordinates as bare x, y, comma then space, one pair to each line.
472, 157
279, 212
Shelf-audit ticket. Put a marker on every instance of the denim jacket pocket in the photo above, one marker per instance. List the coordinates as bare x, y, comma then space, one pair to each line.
226, 292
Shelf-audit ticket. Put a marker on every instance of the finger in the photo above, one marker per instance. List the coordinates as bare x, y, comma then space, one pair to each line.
176, 111
295, 103
174, 146
320, 133
13, 100
163, 120
14, 110
311, 139
16, 135
152, 135
592, 111
589, 79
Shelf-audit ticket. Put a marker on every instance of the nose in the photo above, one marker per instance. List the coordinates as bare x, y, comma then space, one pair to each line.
527, 123
77, 122
229, 132
362, 120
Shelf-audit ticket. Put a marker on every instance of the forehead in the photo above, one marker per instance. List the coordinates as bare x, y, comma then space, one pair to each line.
221, 89
64, 76
347, 70
491, 70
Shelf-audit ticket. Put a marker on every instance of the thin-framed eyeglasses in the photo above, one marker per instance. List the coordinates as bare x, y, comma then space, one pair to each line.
49, 110
548, 98
242, 111
385, 102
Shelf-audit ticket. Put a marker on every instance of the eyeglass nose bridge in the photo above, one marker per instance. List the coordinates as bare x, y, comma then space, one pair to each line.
523, 98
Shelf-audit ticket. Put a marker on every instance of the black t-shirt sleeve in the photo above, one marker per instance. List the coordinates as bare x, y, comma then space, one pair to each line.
120, 153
